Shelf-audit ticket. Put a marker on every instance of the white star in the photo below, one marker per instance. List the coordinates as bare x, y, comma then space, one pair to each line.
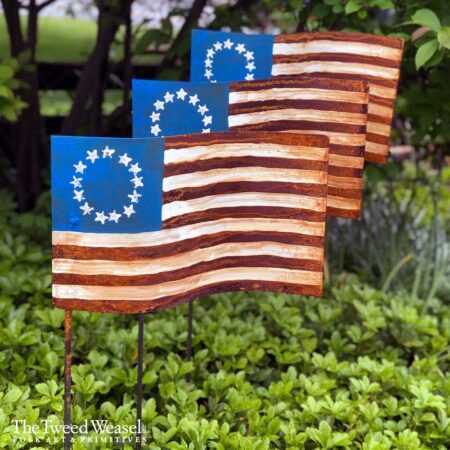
137, 182
134, 168
76, 182
207, 120
193, 99
218, 46
154, 116
228, 44
250, 66
86, 208
208, 63
128, 210
79, 168
78, 195
206, 130
208, 74
249, 77
114, 217
158, 105
124, 159
134, 197
202, 109
249, 55
181, 94
156, 130
92, 156
210, 53
108, 152
240, 48
100, 217
168, 97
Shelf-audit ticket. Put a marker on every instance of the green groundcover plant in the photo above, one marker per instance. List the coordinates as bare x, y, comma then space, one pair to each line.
359, 369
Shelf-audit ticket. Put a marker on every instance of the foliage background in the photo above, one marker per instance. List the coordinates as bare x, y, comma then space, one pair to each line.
366, 367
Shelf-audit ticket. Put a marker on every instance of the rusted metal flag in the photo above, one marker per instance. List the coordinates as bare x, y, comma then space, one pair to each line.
144, 224
336, 108
226, 56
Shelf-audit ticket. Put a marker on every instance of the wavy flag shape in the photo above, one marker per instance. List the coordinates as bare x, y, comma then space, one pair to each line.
335, 108
227, 56
144, 224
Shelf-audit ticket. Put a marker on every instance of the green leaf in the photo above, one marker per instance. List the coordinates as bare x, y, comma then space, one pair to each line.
444, 37
425, 52
6, 72
352, 6
427, 18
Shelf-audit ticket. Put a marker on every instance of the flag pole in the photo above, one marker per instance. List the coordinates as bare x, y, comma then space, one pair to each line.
139, 381
67, 377
189, 335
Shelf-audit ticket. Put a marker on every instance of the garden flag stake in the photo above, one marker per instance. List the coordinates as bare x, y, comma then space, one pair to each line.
144, 224
336, 108
226, 56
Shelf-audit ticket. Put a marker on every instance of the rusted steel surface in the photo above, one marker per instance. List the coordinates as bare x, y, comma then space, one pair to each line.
336, 108
223, 230
340, 55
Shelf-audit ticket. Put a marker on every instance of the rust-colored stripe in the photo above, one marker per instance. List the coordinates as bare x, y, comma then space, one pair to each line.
344, 193
275, 212
376, 158
354, 214
346, 150
386, 41
301, 81
134, 307
320, 105
173, 275
379, 119
377, 139
211, 240
283, 125
345, 172
339, 57
313, 190
243, 136
243, 161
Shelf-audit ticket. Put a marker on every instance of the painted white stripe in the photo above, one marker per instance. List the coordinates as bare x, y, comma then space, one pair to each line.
329, 46
298, 94
250, 199
344, 203
187, 232
187, 284
187, 259
378, 128
313, 115
334, 67
381, 91
380, 110
379, 149
354, 162
344, 182
199, 153
238, 174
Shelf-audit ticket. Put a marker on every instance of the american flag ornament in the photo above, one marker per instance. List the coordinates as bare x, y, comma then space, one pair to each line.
337, 55
331, 107
148, 223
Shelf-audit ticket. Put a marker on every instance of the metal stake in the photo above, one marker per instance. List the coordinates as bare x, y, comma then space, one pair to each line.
189, 336
67, 378
139, 382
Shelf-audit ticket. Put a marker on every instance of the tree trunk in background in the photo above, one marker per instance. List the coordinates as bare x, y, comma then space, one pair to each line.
25, 133
86, 108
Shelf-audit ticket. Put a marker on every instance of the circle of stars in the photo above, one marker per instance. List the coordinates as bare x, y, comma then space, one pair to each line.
228, 45
78, 192
180, 95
